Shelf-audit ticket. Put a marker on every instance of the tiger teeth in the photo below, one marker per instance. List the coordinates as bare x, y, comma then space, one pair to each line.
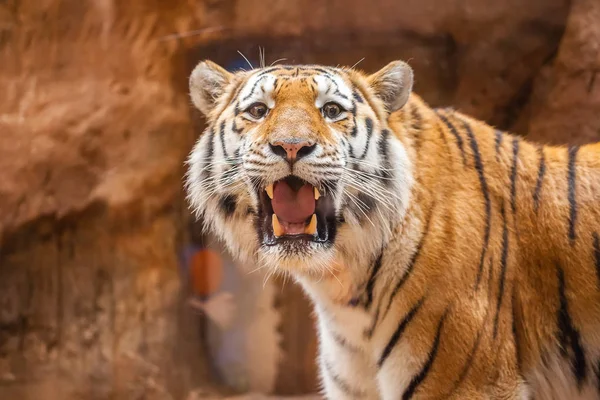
269, 190
311, 228
277, 229
317, 194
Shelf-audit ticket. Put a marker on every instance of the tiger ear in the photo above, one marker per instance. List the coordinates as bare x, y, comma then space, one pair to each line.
207, 83
393, 84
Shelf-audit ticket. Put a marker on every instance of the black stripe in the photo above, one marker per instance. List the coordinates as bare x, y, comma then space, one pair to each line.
343, 96
261, 77
540, 179
498, 142
503, 259
417, 119
568, 336
420, 377
417, 125
468, 364
357, 96
369, 125
228, 204
222, 136
398, 333
442, 136
354, 128
385, 172
342, 342
371, 281
271, 69
235, 128
328, 73
456, 135
210, 152
351, 151
326, 166
228, 174
341, 383
572, 201
513, 176
353, 109
368, 333
411, 265
261, 163
597, 255
515, 332
486, 198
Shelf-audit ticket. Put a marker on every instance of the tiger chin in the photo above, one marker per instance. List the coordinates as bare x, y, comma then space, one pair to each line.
445, 259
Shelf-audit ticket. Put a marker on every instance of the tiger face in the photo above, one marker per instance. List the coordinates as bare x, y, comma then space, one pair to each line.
297, 165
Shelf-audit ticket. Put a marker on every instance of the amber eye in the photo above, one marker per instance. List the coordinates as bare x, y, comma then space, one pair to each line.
257, 110
331, 110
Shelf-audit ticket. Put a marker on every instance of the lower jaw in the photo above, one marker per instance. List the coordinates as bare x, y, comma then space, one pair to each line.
325, 234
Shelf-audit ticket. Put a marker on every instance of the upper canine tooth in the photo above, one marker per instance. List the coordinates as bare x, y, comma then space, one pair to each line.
311, 228
277, 229
317, 194
269, 190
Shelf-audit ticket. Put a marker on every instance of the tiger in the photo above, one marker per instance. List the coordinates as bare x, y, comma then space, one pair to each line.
444, 258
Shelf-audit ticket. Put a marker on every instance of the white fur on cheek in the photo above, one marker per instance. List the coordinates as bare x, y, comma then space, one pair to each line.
206, 186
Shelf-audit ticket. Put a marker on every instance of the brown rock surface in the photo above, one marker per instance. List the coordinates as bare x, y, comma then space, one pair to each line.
93, 134
95, 124
565, 106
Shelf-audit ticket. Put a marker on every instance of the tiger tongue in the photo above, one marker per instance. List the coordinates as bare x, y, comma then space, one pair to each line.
293, 206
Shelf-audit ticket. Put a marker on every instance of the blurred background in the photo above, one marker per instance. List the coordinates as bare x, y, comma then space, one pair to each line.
108, 288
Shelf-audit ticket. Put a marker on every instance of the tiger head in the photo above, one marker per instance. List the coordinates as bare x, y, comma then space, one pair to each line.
297, 165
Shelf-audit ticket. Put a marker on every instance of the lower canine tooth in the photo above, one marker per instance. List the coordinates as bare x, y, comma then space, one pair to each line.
277, 229
311, 228
269, 190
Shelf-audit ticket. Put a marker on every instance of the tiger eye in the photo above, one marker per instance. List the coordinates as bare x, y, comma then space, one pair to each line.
331, 110
257, 110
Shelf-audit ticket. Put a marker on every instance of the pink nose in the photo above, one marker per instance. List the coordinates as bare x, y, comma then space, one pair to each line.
292, 149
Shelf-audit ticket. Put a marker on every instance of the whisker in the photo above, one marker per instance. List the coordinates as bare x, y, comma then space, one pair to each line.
249, 63
358, 62
360, 186
351, 197
354, 160
369, 174
383, 222
377, 188
261, 56
232, 162
276, 61
256, 269
331, 271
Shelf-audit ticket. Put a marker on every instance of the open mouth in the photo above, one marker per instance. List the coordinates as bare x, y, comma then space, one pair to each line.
292, 209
